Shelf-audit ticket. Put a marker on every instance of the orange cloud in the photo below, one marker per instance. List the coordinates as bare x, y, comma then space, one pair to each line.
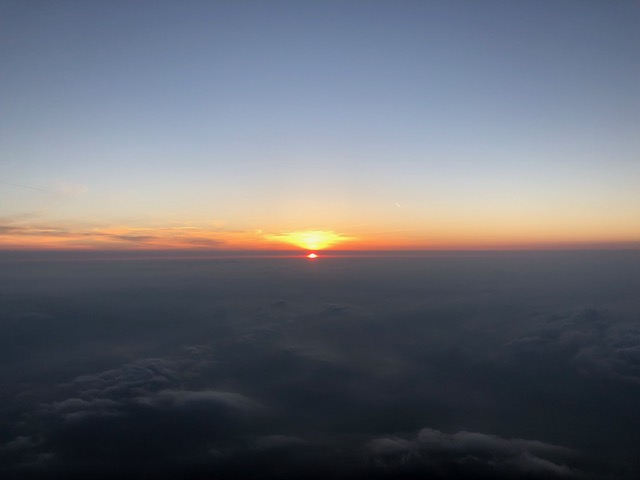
58, 237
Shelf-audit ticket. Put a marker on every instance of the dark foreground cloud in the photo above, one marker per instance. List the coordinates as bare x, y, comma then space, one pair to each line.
137, 418
493, 367
471, 454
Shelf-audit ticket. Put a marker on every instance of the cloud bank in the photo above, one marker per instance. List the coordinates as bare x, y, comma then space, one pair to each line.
466, 367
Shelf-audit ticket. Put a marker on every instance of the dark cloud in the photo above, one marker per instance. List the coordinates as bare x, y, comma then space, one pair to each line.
465, 454
593, 342
134, 414
188, 400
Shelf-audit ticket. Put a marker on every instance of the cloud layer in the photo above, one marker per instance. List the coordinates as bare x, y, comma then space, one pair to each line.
503, 366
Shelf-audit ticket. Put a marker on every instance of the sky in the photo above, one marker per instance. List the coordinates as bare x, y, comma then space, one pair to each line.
351, 124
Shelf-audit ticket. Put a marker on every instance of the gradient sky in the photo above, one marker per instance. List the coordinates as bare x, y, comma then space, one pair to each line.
430, 124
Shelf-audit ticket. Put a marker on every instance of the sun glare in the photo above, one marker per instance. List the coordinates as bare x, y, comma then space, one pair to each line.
312, 256
311, 239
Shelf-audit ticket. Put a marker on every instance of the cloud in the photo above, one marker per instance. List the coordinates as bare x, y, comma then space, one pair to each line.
141, 415
291, 372
21, 442
185, 399
391, 446
35, 231
593, 342
201, 241
144, 376
57, 235
78, 408
59, 188
467, 454
137, 238
432, 439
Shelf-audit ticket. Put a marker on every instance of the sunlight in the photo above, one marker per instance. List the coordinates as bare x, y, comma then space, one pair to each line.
312, 256
311, 239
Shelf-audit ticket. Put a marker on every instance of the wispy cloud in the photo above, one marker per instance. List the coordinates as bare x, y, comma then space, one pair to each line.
47, 236
60, 187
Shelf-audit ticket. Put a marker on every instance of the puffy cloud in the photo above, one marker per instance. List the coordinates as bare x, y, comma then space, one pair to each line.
140, 416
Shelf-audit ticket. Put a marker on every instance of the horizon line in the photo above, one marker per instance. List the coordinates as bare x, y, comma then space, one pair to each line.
199, 254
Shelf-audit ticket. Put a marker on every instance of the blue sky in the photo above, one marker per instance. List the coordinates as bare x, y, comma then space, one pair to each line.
285, 116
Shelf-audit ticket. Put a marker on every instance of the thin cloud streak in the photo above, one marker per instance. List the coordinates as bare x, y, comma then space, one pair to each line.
36, 237
37, 189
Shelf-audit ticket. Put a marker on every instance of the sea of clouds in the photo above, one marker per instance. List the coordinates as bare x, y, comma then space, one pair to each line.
452, 365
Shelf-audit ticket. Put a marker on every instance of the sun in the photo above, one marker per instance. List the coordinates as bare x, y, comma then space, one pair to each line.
312, 255
311, 239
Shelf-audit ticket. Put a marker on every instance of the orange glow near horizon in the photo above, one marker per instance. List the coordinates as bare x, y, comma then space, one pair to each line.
310, 239
187, 237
